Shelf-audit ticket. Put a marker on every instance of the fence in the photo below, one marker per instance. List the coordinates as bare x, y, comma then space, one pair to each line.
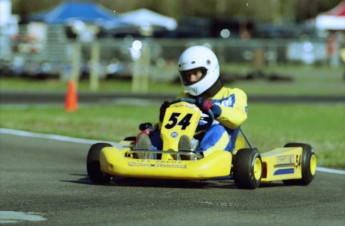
55, 54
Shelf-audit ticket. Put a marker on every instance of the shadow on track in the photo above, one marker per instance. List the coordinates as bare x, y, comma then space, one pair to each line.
165, 183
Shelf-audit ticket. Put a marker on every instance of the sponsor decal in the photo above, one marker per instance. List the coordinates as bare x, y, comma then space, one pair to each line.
142, 164
183, 166
284, 160
229, 101
288, 160
159, 164
174, 134
298, 161
284, 171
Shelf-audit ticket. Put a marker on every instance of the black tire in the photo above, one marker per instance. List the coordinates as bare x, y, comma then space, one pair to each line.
308, 164
247, 168
93, 165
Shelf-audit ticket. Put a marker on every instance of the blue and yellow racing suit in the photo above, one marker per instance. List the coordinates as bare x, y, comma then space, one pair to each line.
223, 132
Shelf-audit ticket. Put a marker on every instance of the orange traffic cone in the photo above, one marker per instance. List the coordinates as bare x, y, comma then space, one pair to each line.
71, 101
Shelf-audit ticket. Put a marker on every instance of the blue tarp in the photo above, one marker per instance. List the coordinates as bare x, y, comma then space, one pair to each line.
88, 12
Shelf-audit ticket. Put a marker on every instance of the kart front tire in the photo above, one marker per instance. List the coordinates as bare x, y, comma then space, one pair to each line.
247, 168
308, 162
93, 164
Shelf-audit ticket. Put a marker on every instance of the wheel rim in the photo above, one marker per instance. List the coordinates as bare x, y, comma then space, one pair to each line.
313, 164
257, 169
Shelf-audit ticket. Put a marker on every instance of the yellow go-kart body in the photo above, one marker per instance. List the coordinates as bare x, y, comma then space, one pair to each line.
180, 119
287, 163
116, 163
293, 164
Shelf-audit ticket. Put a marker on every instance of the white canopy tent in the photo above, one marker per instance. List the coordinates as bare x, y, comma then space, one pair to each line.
148, 18
333, 19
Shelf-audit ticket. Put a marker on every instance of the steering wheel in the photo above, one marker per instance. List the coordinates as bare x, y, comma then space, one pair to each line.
209, 120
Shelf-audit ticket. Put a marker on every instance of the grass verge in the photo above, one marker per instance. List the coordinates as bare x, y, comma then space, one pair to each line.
268, 126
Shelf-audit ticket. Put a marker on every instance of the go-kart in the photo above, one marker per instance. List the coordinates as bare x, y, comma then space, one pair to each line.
294, 164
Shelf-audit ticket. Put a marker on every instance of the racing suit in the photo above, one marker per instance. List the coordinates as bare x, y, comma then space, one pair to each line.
223, 132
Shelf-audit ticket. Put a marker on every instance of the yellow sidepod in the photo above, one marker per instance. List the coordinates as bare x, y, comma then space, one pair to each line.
282, 164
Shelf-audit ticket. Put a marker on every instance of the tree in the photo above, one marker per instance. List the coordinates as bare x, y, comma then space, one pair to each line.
270, 11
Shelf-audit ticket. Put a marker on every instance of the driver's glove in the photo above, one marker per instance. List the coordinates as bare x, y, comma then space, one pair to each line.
206, 104
203, 104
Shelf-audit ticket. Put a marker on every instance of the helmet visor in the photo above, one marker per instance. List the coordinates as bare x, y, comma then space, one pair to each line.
190, 77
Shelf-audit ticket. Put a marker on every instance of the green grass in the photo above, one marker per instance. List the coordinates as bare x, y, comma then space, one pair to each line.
320, 125
305, 81
268, 126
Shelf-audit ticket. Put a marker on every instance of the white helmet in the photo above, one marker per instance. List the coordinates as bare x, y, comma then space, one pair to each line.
199, 57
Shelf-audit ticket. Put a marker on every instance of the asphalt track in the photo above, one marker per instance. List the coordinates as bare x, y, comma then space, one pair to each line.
44, 182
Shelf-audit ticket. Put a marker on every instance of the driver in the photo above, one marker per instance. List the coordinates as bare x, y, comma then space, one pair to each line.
199, 73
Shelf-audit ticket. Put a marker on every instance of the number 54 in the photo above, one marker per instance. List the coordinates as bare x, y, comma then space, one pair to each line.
173, 121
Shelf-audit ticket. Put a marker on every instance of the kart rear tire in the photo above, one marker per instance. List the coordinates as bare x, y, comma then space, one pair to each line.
308, 164
93, 164
247, 168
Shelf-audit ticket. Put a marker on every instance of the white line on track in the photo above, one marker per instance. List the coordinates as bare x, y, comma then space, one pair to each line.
327, 170
11, 217
46, 136
86, 141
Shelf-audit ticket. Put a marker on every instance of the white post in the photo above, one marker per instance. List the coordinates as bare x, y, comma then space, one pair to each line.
75, 72
94, 76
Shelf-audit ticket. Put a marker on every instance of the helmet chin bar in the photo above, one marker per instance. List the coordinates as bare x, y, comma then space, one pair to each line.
192, 90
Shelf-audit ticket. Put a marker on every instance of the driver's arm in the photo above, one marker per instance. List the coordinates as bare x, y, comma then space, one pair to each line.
233, 105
